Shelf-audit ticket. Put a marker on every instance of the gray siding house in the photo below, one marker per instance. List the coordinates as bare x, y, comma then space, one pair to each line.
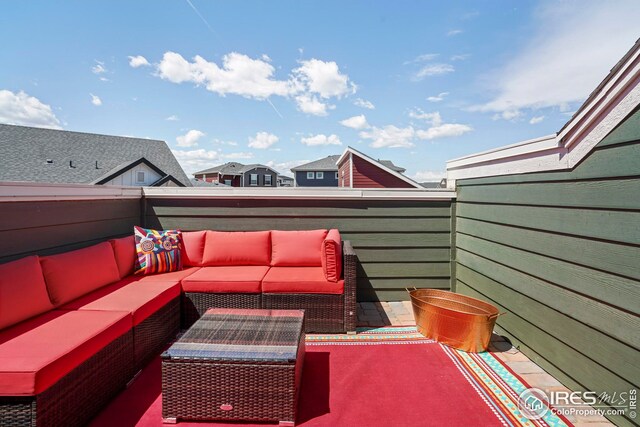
58, 156
236, 174
320, 173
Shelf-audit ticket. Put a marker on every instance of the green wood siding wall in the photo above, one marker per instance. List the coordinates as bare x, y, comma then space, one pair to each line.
560, 253
48, 227
399, 243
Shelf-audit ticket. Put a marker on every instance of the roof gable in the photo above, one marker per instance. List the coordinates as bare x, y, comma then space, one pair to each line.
328, 163
76, 157
353, 151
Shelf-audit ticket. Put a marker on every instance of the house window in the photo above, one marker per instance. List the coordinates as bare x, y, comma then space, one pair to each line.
267, 180
319, 175
336, 175
311, 175
254, 179
140, 176
227, 182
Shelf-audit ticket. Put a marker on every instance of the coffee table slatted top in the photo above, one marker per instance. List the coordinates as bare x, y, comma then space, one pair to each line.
241, 336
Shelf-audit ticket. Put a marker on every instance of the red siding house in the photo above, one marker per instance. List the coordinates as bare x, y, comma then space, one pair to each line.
357, 170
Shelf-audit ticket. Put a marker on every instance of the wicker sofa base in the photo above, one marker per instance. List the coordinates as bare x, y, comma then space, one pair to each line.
79, 395
152, 334
322, 313
194, 304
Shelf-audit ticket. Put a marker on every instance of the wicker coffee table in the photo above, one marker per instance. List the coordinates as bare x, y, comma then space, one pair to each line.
235, 365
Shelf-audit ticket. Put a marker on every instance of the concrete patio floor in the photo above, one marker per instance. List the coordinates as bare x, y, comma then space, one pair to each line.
401, 314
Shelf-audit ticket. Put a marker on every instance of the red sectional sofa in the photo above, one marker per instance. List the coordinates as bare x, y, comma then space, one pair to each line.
272, 269
75, 327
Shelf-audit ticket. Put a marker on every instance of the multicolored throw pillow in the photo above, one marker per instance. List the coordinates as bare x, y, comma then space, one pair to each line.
157, 251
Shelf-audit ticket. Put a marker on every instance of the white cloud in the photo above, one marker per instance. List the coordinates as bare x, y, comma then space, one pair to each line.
422, 58
574, 46
104, 79
263, 140
437, 128
285, 167
443, 131
308, 85
321, 139
536, 120
324, 78
434, 119
355, 122
190, 139
459, 57
437, 98
511, 114
434, 70
138, 61
172, 118
22, 109
239, 75
428, 176
389, 136
239, 155
98, 68
196, 160
452, 33
95, 100
310, 104
359, 102
393, 136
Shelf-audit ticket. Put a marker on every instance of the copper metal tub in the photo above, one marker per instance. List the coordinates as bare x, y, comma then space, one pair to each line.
453, 319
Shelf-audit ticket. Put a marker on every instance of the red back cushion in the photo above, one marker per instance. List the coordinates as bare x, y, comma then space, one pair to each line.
124, 250
237, 248
73, 274
193, 248
23, 293
332, 256
297, 248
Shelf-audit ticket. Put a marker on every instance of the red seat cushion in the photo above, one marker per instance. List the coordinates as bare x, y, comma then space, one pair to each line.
173, 276
297, 248
37, 353
124, 250
332, 256
193, 248
141, 300
237, 248
299, 280
229, 279
23, 293
73, 274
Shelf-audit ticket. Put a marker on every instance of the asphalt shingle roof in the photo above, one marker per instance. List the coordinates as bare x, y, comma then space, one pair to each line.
24, 152
390, 165
326, 164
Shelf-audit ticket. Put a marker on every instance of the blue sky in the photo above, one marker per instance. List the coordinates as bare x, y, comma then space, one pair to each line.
283, 83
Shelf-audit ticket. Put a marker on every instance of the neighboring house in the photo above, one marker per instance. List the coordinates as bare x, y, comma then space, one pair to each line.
321, 173
285, 181
236, 174
59, 156
357, 170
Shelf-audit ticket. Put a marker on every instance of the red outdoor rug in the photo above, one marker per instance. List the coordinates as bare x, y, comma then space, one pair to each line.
381, 377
